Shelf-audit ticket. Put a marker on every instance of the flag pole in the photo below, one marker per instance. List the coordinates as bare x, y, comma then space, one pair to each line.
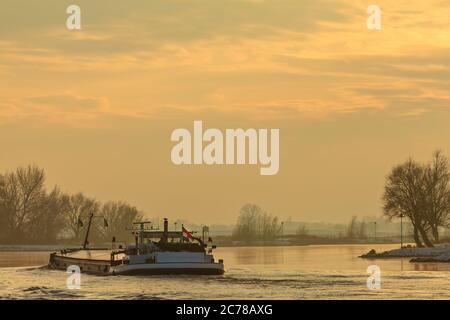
87, 231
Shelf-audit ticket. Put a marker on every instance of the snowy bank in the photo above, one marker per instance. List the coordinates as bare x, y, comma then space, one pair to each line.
444, 257
440, 250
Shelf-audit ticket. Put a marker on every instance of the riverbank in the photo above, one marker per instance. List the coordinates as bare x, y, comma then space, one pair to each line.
36, 248
295, 240
438, 253
228, 244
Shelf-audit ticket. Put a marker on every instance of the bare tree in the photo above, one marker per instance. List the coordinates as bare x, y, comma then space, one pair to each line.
421, 193
4, 209
118, 216
22, 193
352, 228
437, 194
247, 224
302, 230
48, 220
403, 195
77, 208
362, 232
29, 214
256, 224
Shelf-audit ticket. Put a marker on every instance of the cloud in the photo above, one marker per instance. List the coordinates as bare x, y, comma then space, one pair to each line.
8, 112
63, 108
68, 102
268, 59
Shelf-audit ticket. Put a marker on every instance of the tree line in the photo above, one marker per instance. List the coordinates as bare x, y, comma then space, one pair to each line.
420, 192
29, 213
356, 229
256, 224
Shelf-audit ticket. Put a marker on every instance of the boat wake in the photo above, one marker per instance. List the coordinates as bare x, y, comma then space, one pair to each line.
46, 293
33, 268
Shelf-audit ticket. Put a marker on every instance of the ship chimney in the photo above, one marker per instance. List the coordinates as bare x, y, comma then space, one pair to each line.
166, 230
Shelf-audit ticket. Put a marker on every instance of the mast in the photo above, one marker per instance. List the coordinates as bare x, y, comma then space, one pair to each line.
87, 231
166, 231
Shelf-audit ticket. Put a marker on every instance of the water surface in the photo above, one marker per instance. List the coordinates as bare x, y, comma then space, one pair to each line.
291, 272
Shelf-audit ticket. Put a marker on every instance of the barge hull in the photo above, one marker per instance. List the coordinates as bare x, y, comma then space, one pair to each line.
105, 267
99, 267
170, 268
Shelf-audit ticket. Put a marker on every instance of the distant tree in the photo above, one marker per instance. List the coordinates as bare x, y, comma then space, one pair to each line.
302, 230
4, 209
404, 195
437, 194
421, 193
362, 234
30, 214
118, 216
247, 224
352, 228
77, 210
256, 224
48, 219
22, 194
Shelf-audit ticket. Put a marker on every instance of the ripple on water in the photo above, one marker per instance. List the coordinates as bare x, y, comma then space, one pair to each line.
45, 292
298, 276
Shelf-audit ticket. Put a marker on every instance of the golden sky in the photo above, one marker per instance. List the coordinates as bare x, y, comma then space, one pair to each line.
96, 107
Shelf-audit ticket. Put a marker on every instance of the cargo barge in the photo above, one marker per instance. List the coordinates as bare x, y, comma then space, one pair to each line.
154, 252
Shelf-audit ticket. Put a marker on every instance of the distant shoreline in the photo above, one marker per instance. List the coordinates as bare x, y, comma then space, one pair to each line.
57, 247
304, 244
32, 247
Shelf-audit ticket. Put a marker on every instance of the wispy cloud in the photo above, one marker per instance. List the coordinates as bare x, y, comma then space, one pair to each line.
303, 57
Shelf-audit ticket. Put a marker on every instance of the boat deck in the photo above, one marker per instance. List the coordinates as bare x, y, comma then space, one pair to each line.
98, 255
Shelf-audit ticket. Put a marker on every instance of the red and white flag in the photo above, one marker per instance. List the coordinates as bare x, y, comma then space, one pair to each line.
186, 234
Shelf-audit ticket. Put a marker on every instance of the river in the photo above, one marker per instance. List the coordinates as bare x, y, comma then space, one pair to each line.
289, 272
